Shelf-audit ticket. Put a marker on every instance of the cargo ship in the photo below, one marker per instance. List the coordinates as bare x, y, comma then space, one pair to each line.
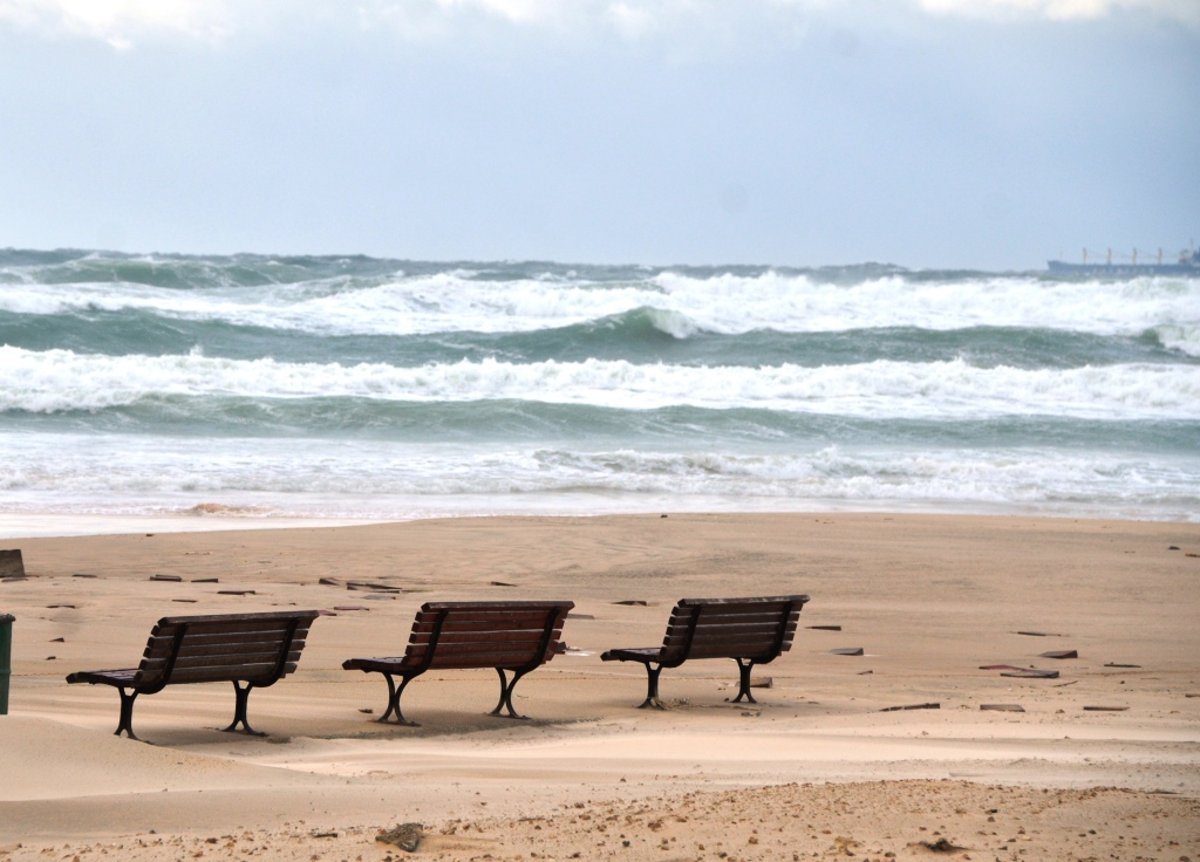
1188, 264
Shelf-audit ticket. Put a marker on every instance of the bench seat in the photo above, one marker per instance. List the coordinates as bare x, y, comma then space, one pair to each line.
750, 630
510, 637
249, 650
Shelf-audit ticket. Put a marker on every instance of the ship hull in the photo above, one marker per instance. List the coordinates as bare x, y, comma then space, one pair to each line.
1121, 270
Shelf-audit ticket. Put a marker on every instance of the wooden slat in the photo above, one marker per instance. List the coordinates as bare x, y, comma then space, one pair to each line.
247, 673
226, 659
800, 599
477, 636
498, 606
457, 624
501, 660
159, 645
226, 619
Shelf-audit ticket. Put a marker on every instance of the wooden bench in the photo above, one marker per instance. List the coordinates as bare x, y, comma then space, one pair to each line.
748, 630
516, 637
254, 649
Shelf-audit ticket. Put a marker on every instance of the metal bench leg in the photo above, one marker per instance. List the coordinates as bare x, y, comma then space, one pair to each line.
393, 707
652, 701
744, 681
506, 690
125, 722
242, 697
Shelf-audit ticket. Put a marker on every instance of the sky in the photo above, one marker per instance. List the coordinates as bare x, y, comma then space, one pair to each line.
979, 134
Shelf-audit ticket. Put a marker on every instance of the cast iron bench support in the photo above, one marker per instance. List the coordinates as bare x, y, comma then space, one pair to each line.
510, 637
751, 631
248, 650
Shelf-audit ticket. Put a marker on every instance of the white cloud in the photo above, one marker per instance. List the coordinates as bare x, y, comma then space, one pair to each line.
1064, 10
121, 23
124, 23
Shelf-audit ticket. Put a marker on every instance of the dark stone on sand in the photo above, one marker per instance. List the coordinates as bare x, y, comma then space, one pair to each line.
12, 564
406, 836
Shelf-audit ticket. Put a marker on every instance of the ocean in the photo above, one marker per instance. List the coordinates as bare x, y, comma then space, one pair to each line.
289, 389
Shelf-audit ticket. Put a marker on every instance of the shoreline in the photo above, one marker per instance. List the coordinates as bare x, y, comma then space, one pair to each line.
204, 517
830, 752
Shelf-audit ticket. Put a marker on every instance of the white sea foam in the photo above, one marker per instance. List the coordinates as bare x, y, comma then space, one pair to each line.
729, 304
127, 475
61, 380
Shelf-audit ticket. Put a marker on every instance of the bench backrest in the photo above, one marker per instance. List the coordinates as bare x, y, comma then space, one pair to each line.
510, 635
258, 648
758, 628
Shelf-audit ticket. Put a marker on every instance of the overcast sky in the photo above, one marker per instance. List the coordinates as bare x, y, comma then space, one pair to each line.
928, 133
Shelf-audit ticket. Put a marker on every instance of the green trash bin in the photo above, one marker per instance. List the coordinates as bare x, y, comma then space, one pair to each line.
6, 621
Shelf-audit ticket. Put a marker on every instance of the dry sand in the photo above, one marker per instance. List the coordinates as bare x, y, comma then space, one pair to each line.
821, 767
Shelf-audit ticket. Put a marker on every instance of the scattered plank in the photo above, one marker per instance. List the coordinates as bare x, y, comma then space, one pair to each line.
235, 592
574, 616
1001, 707
501, 584
83, 575
1106, 708
206, 580
1042, 634
1118, 664
638, 602
61, 605
350, 608
170, 578
825, 628
372, 586
857, 650
1030, 673
1060, 653
912, 706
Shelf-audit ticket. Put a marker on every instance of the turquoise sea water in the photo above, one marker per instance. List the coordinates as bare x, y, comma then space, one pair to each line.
359, 388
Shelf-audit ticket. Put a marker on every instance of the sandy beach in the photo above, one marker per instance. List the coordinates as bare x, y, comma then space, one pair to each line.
885, 755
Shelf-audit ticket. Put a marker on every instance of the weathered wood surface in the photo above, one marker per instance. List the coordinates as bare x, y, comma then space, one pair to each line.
750, 630
509, 637
251, 650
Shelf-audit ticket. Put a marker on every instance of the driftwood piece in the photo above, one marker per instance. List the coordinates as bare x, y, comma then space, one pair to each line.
1030, 673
